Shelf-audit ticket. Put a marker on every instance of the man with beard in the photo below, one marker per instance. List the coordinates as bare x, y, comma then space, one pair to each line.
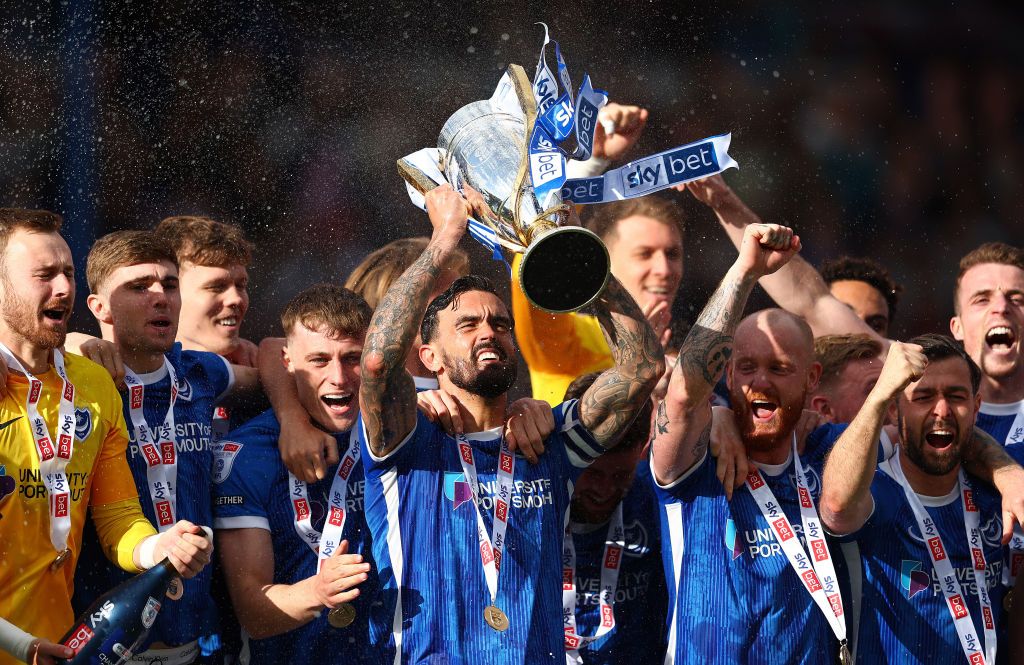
466, 537
928, 532
611, 555
169, 399
291, 549
732, 595
62, 444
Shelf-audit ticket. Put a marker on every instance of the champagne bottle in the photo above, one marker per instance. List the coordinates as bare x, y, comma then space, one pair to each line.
109, 631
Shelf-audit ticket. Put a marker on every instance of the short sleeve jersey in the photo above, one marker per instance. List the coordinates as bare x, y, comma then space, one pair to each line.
421, 514
203, 378
34, 597
252, 491
733, 596
904, 616
1003, 422
640, 596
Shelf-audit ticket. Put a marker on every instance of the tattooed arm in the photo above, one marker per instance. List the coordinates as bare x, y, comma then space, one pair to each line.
387, 394
683, 424
610, 405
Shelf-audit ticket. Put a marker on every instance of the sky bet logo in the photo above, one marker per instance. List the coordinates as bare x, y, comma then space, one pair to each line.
672, 167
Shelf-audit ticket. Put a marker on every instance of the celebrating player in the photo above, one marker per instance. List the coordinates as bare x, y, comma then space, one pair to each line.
169, 401
866, 287
289, 548
929, 534
62, 443
467, 540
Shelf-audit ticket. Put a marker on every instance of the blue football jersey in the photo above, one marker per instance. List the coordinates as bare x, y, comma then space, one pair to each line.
420, 510
203, 378
733, 596
1003, 422
640, 596
252, 491
904, 617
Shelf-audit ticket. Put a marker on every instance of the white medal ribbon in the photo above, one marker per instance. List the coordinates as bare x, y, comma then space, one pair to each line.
611, 562
956, 602
324, 544
692, 161
1015, 435
53, 455
817, 572
157, 447
492, 546
1016, 432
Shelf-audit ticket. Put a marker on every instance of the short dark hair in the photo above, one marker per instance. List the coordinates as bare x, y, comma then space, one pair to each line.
34, 221
428, 328
604, 219
206, 242
863, 269
125, 248
835, 352
638, 433
940, 347
341, 311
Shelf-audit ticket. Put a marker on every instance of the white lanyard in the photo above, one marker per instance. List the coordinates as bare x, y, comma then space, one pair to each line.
157, 447
491, 546
611, 562
53, 459
324, 544
955, 600
817, 572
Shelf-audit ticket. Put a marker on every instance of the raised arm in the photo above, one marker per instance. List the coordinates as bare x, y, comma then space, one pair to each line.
387, 393
985, 458
846, 502
683, 423
610, 405
798, 287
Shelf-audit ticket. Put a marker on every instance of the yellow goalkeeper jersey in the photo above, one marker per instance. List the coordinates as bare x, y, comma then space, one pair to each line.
32, 596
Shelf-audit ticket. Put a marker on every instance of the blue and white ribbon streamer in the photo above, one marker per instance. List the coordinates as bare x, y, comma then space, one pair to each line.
644, 176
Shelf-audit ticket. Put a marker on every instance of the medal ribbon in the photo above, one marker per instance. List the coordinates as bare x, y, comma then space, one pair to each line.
492, 546
53, 459
611, 562
817, 572
1015, 435
157, 447
324, 544
951, 589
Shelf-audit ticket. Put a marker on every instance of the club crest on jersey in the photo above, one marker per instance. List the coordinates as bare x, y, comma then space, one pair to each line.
912, 578
184, 389
456, 489
635, 535
732, 540
224, 454
83, 423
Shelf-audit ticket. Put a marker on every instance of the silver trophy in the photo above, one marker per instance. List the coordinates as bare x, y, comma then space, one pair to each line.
564, 267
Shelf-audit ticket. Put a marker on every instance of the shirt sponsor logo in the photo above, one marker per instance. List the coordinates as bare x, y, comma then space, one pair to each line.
7, 483
456, 489
912, 578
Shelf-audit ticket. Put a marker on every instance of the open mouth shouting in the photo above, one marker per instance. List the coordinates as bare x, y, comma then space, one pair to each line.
763, 410
1001, 338
56, 315
940, 437
337, 403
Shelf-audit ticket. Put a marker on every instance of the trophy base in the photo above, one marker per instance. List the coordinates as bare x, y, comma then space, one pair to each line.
564, 270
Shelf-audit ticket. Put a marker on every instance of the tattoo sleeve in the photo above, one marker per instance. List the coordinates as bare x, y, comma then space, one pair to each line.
611, 404
387, 393
684, 416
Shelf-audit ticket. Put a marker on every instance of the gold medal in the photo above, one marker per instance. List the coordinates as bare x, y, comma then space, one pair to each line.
495, 618
176, 589
844, 654
1008, 600
342, 616
61, 559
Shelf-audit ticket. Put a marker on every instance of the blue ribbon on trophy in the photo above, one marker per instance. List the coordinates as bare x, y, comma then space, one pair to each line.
512, 149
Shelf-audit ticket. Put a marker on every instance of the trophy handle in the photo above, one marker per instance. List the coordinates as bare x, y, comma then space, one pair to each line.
415, 177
